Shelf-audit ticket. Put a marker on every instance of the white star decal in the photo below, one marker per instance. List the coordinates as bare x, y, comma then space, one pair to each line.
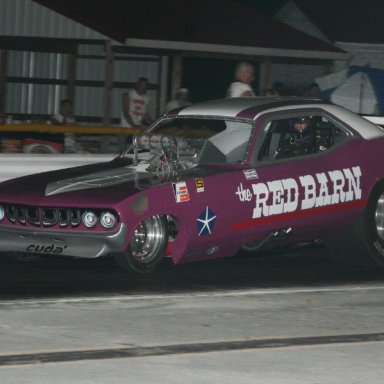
206, 220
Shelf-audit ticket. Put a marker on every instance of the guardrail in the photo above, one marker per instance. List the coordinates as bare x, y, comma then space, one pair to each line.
20, 164
49, 138
75, 129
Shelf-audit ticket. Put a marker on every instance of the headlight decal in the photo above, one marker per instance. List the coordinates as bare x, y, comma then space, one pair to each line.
63, 217
89, 219
108, 220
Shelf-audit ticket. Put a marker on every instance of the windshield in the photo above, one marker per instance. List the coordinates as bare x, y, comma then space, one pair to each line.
175, 144
198, 140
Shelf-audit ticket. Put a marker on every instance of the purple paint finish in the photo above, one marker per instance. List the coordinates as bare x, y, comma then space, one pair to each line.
217, 208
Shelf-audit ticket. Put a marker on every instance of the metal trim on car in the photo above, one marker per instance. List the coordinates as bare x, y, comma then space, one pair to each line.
69, 243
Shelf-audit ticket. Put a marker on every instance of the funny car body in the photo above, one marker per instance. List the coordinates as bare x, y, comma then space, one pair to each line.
209, 180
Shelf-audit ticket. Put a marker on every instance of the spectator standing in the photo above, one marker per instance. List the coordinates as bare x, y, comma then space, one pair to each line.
244, 75
180, 99
64, 115
313, 90
134, 105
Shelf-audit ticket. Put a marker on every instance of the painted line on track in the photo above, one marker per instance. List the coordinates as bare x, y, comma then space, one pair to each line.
177, 349
204, 294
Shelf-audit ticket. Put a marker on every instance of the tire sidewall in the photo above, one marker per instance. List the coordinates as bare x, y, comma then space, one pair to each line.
127, 261
373, 241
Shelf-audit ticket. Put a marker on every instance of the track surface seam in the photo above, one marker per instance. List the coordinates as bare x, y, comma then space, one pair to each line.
194, 348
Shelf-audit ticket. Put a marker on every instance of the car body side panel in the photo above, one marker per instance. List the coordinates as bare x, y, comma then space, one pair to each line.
217, 207
329, 199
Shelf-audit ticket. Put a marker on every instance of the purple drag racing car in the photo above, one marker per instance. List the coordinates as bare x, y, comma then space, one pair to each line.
209, 180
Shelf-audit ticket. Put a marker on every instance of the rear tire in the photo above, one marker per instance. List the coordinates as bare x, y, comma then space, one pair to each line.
146, 249
363, 243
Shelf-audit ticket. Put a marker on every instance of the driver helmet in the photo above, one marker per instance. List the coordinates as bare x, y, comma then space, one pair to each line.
301, 124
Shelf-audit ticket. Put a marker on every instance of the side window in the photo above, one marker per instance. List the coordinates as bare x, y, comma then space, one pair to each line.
299, 136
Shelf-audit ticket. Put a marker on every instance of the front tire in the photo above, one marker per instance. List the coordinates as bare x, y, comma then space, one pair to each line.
363, 244
146, 249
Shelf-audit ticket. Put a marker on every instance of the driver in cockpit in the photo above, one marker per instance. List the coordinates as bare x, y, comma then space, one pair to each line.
301, 141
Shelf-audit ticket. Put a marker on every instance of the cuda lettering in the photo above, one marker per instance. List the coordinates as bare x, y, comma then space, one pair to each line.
282, 196
45, 248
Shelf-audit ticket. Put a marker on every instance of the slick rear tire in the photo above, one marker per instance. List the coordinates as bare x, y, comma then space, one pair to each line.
147, 247
363, 244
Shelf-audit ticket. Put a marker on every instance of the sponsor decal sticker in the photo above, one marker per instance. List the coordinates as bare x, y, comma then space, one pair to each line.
199, 185
250, 174
206, 222
180, 190
304, 194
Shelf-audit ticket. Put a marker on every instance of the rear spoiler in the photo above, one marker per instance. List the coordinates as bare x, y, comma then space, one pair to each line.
378, 120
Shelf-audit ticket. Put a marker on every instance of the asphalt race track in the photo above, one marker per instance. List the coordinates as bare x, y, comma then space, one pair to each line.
277, 318
61, 277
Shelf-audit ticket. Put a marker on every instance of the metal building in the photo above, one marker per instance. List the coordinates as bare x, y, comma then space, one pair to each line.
90, 52
45, 57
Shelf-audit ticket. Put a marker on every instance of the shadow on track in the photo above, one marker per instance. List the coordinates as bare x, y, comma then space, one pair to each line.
79, 277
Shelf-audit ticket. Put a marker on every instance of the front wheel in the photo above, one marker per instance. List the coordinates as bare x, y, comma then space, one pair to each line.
363, 243
147, 246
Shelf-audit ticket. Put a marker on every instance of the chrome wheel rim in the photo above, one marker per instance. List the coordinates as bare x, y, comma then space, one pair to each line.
379, 216
148, 239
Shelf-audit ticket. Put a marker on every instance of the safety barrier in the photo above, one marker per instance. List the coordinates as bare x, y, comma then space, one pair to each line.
15, 164
75, 129
47, 138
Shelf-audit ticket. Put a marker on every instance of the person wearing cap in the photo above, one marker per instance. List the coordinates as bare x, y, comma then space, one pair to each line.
180, 100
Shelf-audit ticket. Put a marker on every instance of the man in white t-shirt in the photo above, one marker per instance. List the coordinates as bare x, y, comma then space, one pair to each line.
244, 75
135, 104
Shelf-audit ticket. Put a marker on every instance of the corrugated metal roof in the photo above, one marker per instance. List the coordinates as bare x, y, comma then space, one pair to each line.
208, 23
28, 18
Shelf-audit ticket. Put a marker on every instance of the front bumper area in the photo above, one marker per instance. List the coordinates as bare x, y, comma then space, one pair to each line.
62, 243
